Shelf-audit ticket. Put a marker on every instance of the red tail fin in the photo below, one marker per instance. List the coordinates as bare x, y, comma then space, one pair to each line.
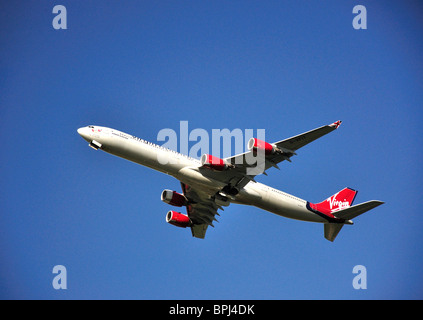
341, 200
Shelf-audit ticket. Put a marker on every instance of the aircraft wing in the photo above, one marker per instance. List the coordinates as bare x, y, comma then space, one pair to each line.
245, 162
303, 139
202, 207
201, 210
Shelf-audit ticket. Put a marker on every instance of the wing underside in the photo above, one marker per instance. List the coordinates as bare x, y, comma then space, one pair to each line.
247, 165
245, 161
201, 210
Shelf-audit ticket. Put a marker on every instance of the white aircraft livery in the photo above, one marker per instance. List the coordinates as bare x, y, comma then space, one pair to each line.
211, 183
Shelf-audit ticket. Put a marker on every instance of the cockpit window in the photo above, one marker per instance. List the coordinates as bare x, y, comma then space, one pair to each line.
90, 126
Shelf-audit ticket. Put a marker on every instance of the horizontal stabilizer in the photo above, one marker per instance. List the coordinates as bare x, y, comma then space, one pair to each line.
332, 230
354, 211
199, 230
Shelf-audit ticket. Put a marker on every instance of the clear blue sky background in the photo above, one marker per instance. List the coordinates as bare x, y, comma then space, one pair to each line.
141, 66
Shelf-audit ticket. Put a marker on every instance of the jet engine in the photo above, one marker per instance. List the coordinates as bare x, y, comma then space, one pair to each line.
173, 198
178, 219
256, 144
213, 162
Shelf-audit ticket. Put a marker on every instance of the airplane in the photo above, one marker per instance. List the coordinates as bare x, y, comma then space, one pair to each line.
211, 183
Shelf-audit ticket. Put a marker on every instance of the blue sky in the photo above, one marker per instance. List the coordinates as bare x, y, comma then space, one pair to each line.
141, 66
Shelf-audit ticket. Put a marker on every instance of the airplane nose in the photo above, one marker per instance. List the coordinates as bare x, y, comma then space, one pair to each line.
83, 132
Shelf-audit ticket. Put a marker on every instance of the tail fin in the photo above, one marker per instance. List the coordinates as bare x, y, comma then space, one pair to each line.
341, 200
339, 206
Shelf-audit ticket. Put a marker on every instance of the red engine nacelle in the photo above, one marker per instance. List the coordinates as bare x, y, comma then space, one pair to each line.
173, 198
256, 144
213, 162
178, 219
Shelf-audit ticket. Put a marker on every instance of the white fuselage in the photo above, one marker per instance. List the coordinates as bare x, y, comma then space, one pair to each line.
188, 170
